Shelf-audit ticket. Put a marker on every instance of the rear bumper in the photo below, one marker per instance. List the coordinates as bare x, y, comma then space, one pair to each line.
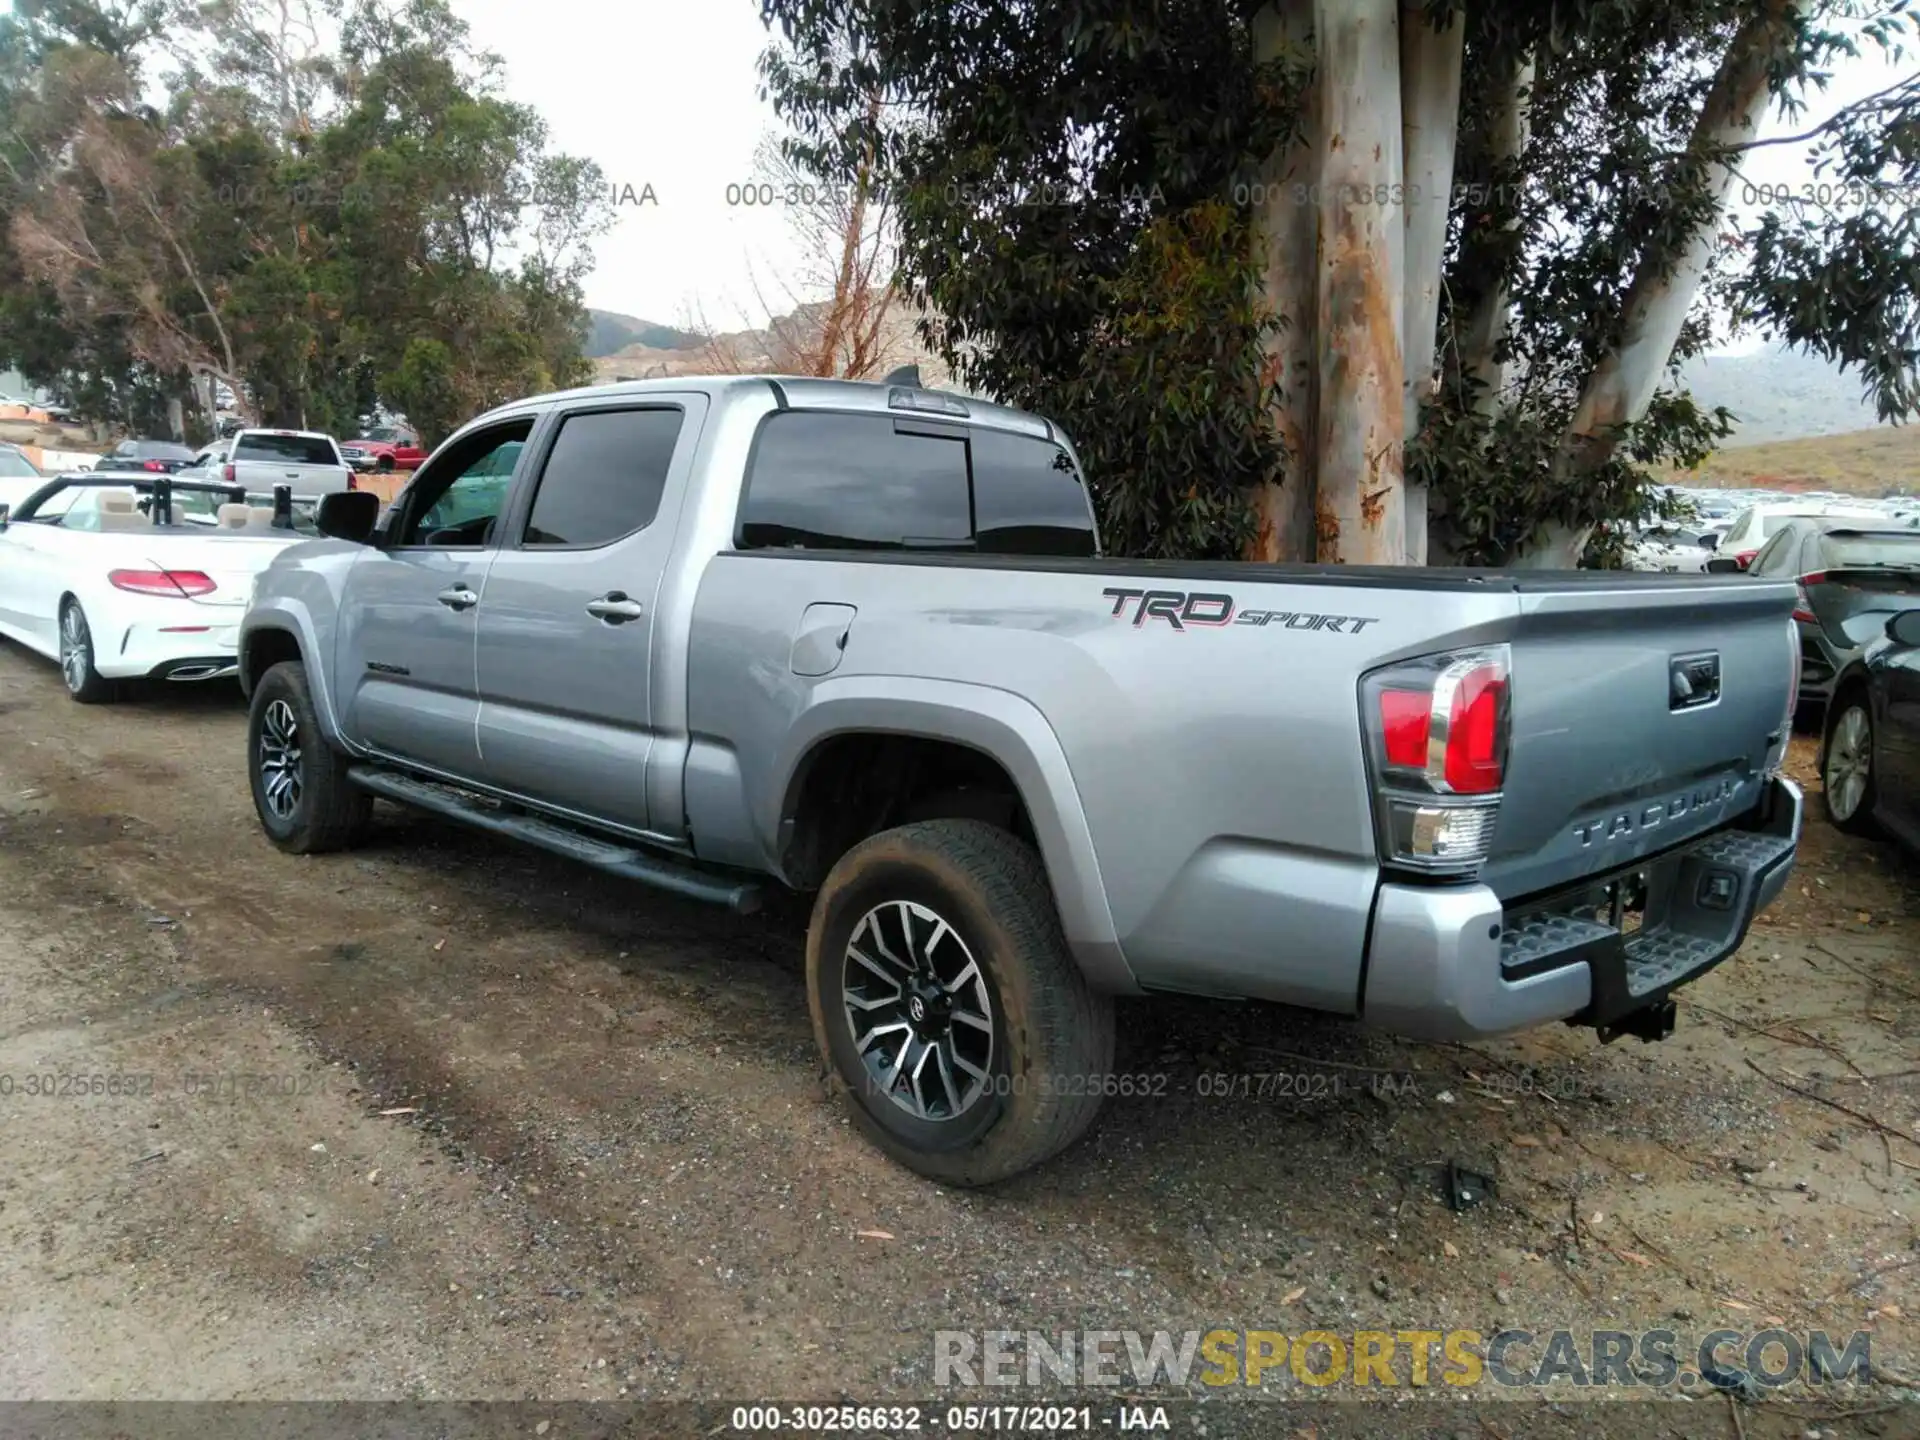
145, 650
1454, 963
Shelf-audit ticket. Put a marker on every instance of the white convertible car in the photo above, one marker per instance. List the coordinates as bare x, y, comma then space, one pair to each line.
123, 576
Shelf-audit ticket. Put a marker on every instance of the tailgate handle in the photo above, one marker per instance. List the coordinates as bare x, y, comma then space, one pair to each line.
1693, 680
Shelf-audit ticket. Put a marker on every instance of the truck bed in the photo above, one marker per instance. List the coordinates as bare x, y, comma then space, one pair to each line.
1220, 761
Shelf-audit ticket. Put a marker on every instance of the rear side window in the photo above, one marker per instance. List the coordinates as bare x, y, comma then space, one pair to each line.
864, 482
1774, 555
1027, 497
856, 482
603, 477
286, 449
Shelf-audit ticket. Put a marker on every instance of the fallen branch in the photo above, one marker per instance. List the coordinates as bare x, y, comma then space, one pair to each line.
1866, 975
1846, 1110
1806, 1040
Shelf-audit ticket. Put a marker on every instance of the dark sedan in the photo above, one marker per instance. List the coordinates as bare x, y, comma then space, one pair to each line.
158, 457
1870, 754
1851, 578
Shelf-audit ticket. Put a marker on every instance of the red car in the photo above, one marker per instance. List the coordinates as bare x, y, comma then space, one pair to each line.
391, 448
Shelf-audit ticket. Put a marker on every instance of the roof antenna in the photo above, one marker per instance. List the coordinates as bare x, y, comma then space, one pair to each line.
904, 375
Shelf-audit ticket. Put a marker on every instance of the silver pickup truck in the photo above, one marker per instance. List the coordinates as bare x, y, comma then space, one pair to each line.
859, 641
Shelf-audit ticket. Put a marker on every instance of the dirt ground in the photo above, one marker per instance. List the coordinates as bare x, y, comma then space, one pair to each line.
447, 1119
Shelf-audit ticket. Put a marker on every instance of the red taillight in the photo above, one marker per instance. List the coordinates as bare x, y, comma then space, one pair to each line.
1744, 558
153, 465
227, 473
1803, 609
172, 584
1405, 724
1438, 728
353, 480
1475, 754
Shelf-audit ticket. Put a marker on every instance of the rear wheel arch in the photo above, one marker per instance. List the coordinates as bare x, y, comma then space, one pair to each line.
985, 731
854, 784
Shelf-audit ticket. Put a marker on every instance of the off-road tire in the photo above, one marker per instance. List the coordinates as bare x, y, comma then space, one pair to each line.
1054, 1036
330, 813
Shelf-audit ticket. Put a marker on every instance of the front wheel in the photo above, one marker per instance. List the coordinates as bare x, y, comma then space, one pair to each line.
301, 792
1847, 765
947, 1006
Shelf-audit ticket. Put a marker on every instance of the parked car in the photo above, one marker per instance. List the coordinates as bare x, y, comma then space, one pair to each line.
1675, 549
1849, 578
1759, 523
358, 460
858, 640
158, 569
392, 447
1870, 752
160, 457
19, 476
261, 459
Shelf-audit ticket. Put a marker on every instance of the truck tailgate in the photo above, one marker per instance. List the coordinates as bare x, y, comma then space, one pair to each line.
1642, 715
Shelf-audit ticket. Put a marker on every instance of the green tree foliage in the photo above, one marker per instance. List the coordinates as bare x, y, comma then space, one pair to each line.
1080, 183
1065, 189
324, 215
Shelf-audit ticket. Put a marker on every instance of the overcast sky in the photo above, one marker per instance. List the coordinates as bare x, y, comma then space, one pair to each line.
664, 92
661, 93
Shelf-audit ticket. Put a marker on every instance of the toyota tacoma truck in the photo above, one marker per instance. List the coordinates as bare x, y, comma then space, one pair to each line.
858, 641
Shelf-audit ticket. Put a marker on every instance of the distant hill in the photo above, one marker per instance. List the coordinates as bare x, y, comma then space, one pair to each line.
609, 332
1780, 394
1881, 461
769, 351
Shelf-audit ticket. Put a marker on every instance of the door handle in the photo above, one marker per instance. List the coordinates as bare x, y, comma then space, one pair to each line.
458, 598
615, 608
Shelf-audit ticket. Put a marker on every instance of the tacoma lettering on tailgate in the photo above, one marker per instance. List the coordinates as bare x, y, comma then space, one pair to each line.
1633, 822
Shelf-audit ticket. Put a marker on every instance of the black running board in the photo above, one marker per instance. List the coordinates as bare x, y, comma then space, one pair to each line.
630, 862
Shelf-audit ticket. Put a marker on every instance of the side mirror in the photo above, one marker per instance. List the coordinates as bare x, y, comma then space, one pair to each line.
1903, 627
1723, 565
348, 515
5, 511
1709, 541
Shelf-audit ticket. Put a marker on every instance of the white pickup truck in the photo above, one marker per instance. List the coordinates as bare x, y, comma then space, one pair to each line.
306, 460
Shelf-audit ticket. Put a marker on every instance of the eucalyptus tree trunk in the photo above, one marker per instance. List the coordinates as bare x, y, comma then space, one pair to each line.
1429, 126
1486, 328
1662, 291
1360, 487
1288, 239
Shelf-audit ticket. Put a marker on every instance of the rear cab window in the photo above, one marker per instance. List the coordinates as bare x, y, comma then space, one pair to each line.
833, 481
286, 449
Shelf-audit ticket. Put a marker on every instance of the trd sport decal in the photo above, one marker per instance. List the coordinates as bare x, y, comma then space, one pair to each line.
1182, 609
